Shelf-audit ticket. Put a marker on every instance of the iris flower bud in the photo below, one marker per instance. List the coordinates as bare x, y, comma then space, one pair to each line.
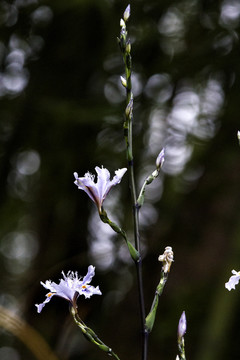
126, 14
160, 159
182, 326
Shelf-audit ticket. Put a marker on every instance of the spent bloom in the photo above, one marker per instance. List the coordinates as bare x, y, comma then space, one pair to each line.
233, 281
99, 190
182, 326
70, 287
167, 259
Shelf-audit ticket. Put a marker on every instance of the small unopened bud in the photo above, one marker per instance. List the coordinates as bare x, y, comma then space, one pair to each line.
154, 174
177, 357
182, 326
126, 13
167, 259
128, 47
238, 136
122, 23
129, 108
160, 159
123, 81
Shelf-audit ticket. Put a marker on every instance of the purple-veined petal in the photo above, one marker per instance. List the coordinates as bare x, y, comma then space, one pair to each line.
63, 289
103, 181
88, 185
116, 180
88, 291
41, 306
48, 285
118, 177
88, 278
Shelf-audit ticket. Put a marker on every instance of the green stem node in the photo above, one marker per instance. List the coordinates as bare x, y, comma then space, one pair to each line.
125, 47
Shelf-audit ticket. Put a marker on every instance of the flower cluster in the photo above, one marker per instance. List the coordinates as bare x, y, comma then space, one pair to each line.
70, 287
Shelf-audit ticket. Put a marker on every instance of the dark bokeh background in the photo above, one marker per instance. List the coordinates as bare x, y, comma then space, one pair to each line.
62, 111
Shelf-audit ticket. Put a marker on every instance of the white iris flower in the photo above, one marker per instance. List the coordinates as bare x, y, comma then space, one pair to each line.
99, 190
70, 287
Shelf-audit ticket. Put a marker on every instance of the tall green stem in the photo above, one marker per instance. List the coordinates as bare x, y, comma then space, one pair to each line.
125, 47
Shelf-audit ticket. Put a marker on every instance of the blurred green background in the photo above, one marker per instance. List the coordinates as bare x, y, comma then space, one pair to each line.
61, 110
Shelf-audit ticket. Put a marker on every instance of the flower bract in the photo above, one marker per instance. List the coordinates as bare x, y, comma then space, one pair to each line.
233, 281
70, 287
99, 190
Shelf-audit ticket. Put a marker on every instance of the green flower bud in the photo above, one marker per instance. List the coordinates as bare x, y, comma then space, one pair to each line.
128, 47
126, 14
123, 81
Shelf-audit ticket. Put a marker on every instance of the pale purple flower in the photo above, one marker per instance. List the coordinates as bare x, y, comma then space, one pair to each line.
70, 287
233, 281
182, 325
99, 190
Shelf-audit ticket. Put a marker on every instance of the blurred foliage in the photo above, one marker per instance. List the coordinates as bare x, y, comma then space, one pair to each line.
61, 111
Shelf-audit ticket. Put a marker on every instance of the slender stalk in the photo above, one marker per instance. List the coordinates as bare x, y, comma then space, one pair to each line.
150, 319
125, 47
133, 252
181, 347
150, 178
91, 335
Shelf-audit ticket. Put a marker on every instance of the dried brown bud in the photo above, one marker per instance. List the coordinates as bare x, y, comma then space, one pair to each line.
167, 259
